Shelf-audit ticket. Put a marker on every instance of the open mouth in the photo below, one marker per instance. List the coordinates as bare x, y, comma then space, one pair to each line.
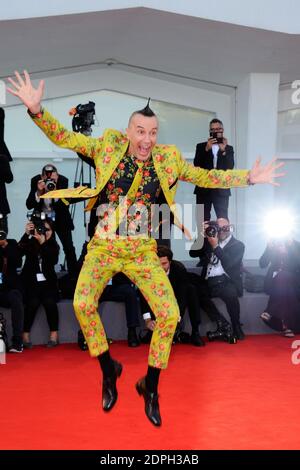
144, 150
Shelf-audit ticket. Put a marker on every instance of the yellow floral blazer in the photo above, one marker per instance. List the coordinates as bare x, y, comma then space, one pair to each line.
107, 152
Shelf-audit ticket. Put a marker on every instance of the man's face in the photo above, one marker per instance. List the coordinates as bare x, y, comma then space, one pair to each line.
53, 175
216, 127
142, 135
223, 234
165, 263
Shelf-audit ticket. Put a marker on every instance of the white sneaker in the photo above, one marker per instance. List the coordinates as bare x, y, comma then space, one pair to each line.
288, 333
265, 316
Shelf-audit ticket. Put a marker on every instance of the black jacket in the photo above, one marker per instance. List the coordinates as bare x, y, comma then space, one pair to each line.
10, 261
290, 262
205, 160
3, 148
48, 252
6, 176
62, 215
231, 257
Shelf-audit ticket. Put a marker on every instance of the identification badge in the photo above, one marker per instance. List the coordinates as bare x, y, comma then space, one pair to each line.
40, 277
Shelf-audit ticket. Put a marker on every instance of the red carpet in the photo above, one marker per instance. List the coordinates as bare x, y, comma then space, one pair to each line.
243, 396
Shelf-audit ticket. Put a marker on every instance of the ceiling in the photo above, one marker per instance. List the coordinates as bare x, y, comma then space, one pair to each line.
147, 40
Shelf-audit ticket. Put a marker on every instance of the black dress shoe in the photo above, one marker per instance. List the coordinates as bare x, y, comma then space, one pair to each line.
151, 402
132, 339
196, 339
109, 389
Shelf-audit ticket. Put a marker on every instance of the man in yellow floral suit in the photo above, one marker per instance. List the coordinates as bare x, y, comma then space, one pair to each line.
131, 169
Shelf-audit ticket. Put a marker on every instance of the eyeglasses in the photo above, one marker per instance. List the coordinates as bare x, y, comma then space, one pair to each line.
216, 129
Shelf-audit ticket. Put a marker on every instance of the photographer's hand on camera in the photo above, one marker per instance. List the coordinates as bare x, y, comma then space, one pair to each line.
224, 145
41, 238
41, 187
212, 240
210, 143
29, 228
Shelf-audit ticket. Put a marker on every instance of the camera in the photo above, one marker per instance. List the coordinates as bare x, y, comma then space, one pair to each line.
214, 229
218, 136
83, 118
223, 332
38, 219
50, 183
3, 233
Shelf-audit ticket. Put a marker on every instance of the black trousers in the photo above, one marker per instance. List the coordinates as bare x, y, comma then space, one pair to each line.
13, 299
192, 303
284, 304
41, 295
219, 203
205, 301
65, 236
127, 294
226, 291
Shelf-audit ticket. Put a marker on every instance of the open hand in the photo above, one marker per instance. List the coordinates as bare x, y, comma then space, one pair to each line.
24, 90
260, 174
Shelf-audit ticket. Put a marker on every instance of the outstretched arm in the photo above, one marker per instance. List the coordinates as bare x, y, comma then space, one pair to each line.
56, 132
258, 174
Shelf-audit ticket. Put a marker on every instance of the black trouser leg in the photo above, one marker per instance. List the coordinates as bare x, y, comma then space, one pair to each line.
220, 204
51, 310
193, 306
13, 299
31, 307
228, 293
65, 236
17, 313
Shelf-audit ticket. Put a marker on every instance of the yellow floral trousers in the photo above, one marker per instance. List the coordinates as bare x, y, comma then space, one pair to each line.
137, 259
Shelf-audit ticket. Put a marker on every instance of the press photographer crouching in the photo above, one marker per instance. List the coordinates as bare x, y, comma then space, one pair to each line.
54, 209
41, 252
282, 283
221, 257
11, 295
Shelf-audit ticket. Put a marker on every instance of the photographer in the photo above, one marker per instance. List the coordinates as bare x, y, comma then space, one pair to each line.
56, 209
283, 285
221, 257
41, 252
10, 286
6, 175
214, 153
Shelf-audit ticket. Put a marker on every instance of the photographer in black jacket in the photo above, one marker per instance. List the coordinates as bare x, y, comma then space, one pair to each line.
10, 287
55, 209
6, 175
214, 153
221, 258
39, 278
